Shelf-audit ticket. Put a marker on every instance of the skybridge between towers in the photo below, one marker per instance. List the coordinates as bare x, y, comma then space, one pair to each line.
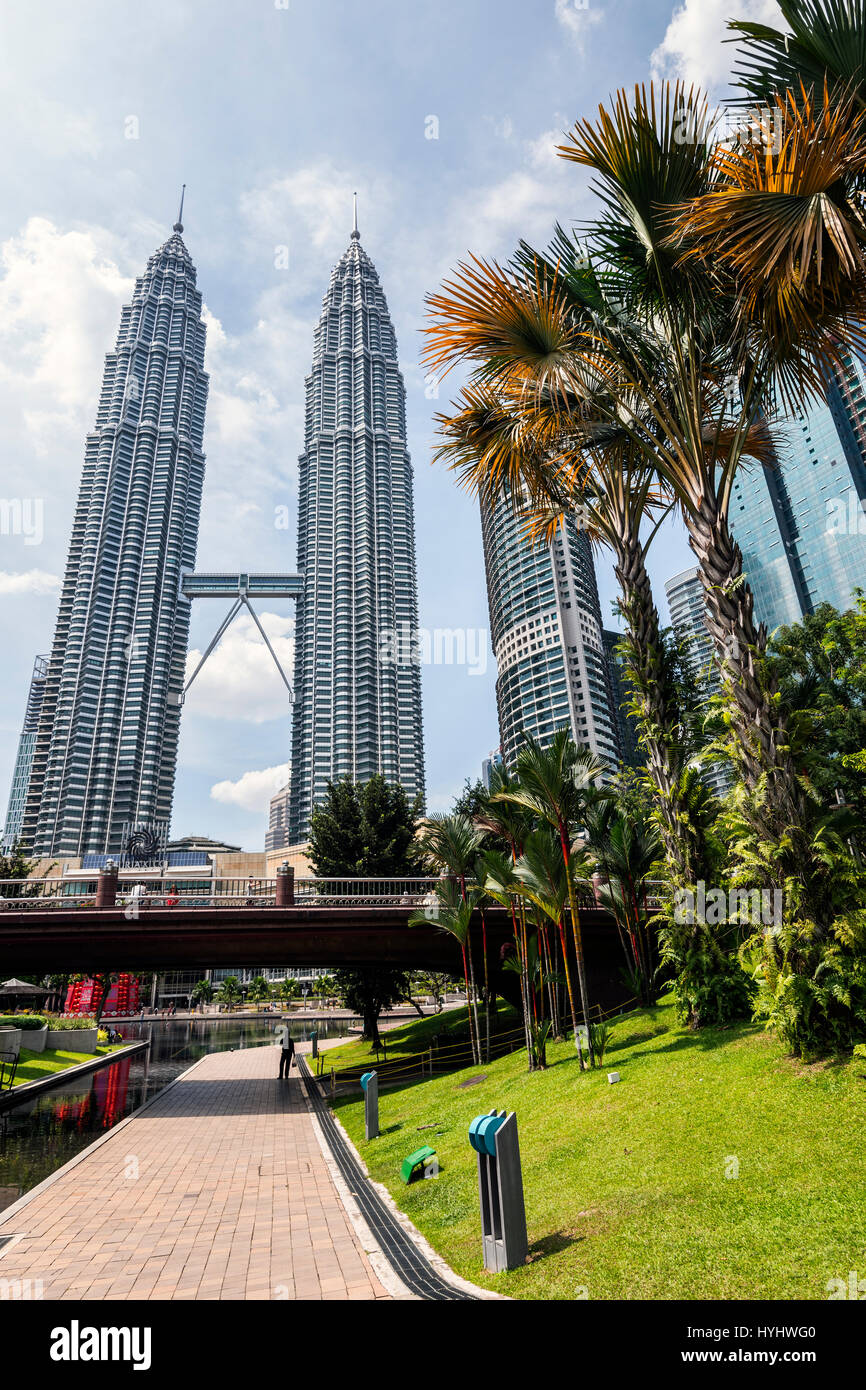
241, 588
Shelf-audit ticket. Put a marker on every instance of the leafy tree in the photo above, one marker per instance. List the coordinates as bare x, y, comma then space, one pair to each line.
202, 992
369, 991
434, 983
820, 666
15, 864
259, 990
472, 801
287, 989
363, 830
229, 991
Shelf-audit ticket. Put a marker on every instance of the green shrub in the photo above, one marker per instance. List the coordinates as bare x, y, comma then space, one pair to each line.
712, 988
74, 1021
600, 1035
812, 987
25, 1021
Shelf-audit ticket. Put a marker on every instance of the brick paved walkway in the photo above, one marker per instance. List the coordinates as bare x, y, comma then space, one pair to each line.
232, 1200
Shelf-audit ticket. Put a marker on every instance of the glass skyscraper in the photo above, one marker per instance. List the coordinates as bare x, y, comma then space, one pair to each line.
24, 758
545, 624
357, 710
106, 747
801, 526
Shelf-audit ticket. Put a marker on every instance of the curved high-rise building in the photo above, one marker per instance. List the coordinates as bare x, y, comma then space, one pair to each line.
545, 625
106, 749
357, 709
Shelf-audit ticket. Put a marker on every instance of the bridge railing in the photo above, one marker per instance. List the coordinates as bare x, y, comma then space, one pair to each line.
42, 893
361, 892
397, 891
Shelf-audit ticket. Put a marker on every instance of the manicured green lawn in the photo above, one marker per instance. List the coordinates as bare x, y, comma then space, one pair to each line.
448, 1031
627, 1187
33, 1066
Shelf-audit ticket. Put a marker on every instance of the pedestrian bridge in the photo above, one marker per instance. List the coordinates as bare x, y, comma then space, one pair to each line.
228, 923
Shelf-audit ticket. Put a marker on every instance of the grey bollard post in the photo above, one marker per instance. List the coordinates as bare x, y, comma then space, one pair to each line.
314, 1039
370, 1086
500, 1187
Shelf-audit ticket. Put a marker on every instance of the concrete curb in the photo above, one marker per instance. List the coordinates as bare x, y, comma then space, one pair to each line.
377, 1256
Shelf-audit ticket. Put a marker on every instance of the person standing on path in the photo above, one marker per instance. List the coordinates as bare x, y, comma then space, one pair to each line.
287, 1048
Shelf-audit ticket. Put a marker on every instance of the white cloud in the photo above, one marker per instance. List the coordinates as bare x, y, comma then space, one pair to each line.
239, 680
253, 790
577, 17
693, 46
542, 150
60, 296
312, 205
29, 582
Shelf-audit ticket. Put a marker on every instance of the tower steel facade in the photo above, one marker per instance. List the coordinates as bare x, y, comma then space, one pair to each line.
357, 709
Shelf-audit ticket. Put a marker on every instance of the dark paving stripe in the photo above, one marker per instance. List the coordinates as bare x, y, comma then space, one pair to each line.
410, 1263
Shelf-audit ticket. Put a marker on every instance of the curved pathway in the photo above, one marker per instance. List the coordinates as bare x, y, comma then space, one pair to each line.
216, 1189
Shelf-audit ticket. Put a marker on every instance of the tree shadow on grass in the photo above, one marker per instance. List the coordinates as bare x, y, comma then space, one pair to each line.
706, 1039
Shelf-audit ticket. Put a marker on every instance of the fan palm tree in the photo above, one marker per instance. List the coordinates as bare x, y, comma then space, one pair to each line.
502, 447
825, 42
721, 285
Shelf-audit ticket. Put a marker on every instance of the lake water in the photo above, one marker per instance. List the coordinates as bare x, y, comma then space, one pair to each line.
48, 1130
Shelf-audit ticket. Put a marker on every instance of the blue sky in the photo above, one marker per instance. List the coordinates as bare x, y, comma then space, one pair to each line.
273, 114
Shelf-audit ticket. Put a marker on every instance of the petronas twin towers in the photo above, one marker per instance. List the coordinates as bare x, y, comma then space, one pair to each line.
103, 769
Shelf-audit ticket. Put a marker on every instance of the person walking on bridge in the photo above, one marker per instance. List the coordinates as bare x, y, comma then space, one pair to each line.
287, 1048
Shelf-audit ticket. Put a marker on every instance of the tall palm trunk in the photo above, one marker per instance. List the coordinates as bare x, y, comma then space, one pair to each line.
476, 1055
519, 946
564, 944
547, 970
474, 1006
659, 714
577, 934
486, 987
761, 727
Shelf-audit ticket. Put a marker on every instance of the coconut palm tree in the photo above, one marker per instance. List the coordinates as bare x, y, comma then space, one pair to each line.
202, 992
259, 990
229, 991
